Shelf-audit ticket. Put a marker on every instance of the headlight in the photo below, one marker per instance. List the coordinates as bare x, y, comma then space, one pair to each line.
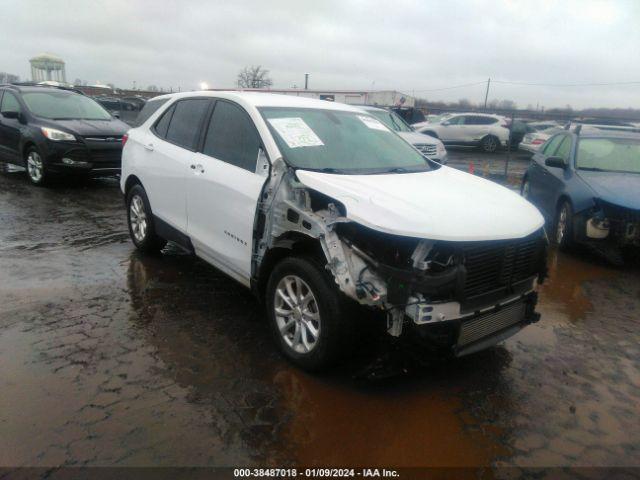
57, 135
440, 148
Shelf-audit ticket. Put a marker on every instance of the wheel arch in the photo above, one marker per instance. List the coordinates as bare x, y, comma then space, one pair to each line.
287, 245
130, 182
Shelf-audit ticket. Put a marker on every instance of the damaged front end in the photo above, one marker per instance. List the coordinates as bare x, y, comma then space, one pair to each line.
471, 291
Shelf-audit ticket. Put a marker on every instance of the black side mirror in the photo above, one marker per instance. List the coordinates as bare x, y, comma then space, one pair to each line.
556, 162
11, 115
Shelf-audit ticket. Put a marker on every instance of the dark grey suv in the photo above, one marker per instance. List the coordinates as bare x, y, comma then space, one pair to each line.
58, 131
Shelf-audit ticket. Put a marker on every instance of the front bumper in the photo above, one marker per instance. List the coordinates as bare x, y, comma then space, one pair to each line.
483, 329
83, 157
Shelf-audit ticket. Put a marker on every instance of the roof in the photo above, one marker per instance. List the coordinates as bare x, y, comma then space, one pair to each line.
35, 87
261, 99
586, 132
46, 57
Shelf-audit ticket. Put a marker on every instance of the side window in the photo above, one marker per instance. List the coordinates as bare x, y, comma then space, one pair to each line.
564, 150
232, 137
9, 103
149, 109
163, 124
459, 120
185, 122
472, 120
551, 145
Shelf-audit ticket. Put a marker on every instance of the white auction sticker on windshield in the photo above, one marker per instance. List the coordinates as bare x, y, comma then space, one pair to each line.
295, 132
373, 123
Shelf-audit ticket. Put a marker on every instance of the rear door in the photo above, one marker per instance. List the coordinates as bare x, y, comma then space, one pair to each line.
169, 150
223, 190
452, 129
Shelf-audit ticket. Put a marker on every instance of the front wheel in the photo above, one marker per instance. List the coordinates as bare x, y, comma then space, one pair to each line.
35, 167
140, 220
489, 144
564, 226
307, 315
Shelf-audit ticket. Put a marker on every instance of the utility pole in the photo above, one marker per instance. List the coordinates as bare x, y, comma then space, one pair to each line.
486, 95
306, 81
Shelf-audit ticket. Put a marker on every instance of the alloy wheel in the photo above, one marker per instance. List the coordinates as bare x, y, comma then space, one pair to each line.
35, 169
490, 144
297, 314
138, 218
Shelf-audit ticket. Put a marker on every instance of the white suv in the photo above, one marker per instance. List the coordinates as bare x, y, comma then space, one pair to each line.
323, 211
489, 132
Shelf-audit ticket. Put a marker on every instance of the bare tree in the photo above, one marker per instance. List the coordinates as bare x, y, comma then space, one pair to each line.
254, 77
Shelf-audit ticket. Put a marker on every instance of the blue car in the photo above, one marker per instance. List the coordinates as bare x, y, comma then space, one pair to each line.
587, 185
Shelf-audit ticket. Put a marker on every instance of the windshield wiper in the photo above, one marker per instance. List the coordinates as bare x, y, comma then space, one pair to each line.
593, 169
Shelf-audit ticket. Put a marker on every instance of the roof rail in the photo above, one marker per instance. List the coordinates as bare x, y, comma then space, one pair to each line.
43, 85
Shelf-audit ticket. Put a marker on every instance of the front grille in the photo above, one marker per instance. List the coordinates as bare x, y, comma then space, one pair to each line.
624, 222
498, 264
106, 158
103, 138
485, 325
426, 149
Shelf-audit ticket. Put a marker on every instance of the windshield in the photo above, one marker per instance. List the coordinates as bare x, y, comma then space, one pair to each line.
609, 154
391, 120
340, 142
64, 106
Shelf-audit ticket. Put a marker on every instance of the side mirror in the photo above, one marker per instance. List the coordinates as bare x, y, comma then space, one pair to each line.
445, 123
116, 115
12, 115
555, 162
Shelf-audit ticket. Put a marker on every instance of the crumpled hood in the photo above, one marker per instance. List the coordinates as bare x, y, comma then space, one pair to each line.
621, 189
443, 204
415, 138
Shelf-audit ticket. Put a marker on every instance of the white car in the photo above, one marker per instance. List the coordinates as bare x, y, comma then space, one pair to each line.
323, 212
489, 132
534, 140
430, 147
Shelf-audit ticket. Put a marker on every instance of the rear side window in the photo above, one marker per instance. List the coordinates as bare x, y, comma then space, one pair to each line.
149, 109
185, 122
456, 120
232, 137
163, 124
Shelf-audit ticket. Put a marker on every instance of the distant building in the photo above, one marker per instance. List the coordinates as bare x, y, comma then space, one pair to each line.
48, 68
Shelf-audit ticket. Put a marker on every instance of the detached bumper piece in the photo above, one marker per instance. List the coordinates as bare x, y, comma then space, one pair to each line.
487, 329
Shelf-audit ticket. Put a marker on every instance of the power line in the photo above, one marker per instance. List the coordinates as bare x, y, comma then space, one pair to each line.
566, 84
452, 87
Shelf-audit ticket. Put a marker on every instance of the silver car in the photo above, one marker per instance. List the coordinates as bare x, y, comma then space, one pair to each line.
430, 147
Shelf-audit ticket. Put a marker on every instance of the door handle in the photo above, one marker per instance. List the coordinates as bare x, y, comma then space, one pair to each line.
149, 147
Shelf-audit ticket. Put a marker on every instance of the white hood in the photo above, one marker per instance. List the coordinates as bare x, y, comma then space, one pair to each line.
443, 204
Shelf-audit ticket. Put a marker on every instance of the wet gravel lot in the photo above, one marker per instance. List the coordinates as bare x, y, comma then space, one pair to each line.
108, 357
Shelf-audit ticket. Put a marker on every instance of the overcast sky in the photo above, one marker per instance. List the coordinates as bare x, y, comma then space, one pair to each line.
411, 46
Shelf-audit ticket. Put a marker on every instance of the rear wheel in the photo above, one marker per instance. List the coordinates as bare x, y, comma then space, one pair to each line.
308, 317
35, 167
564, 226
140, 221
489, 144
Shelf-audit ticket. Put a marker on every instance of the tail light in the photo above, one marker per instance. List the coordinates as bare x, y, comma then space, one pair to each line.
125, 137
537, 141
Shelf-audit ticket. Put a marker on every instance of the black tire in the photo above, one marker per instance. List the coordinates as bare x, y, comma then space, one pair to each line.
138, 204
563, 226
36, 168
335, 327
490, 144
